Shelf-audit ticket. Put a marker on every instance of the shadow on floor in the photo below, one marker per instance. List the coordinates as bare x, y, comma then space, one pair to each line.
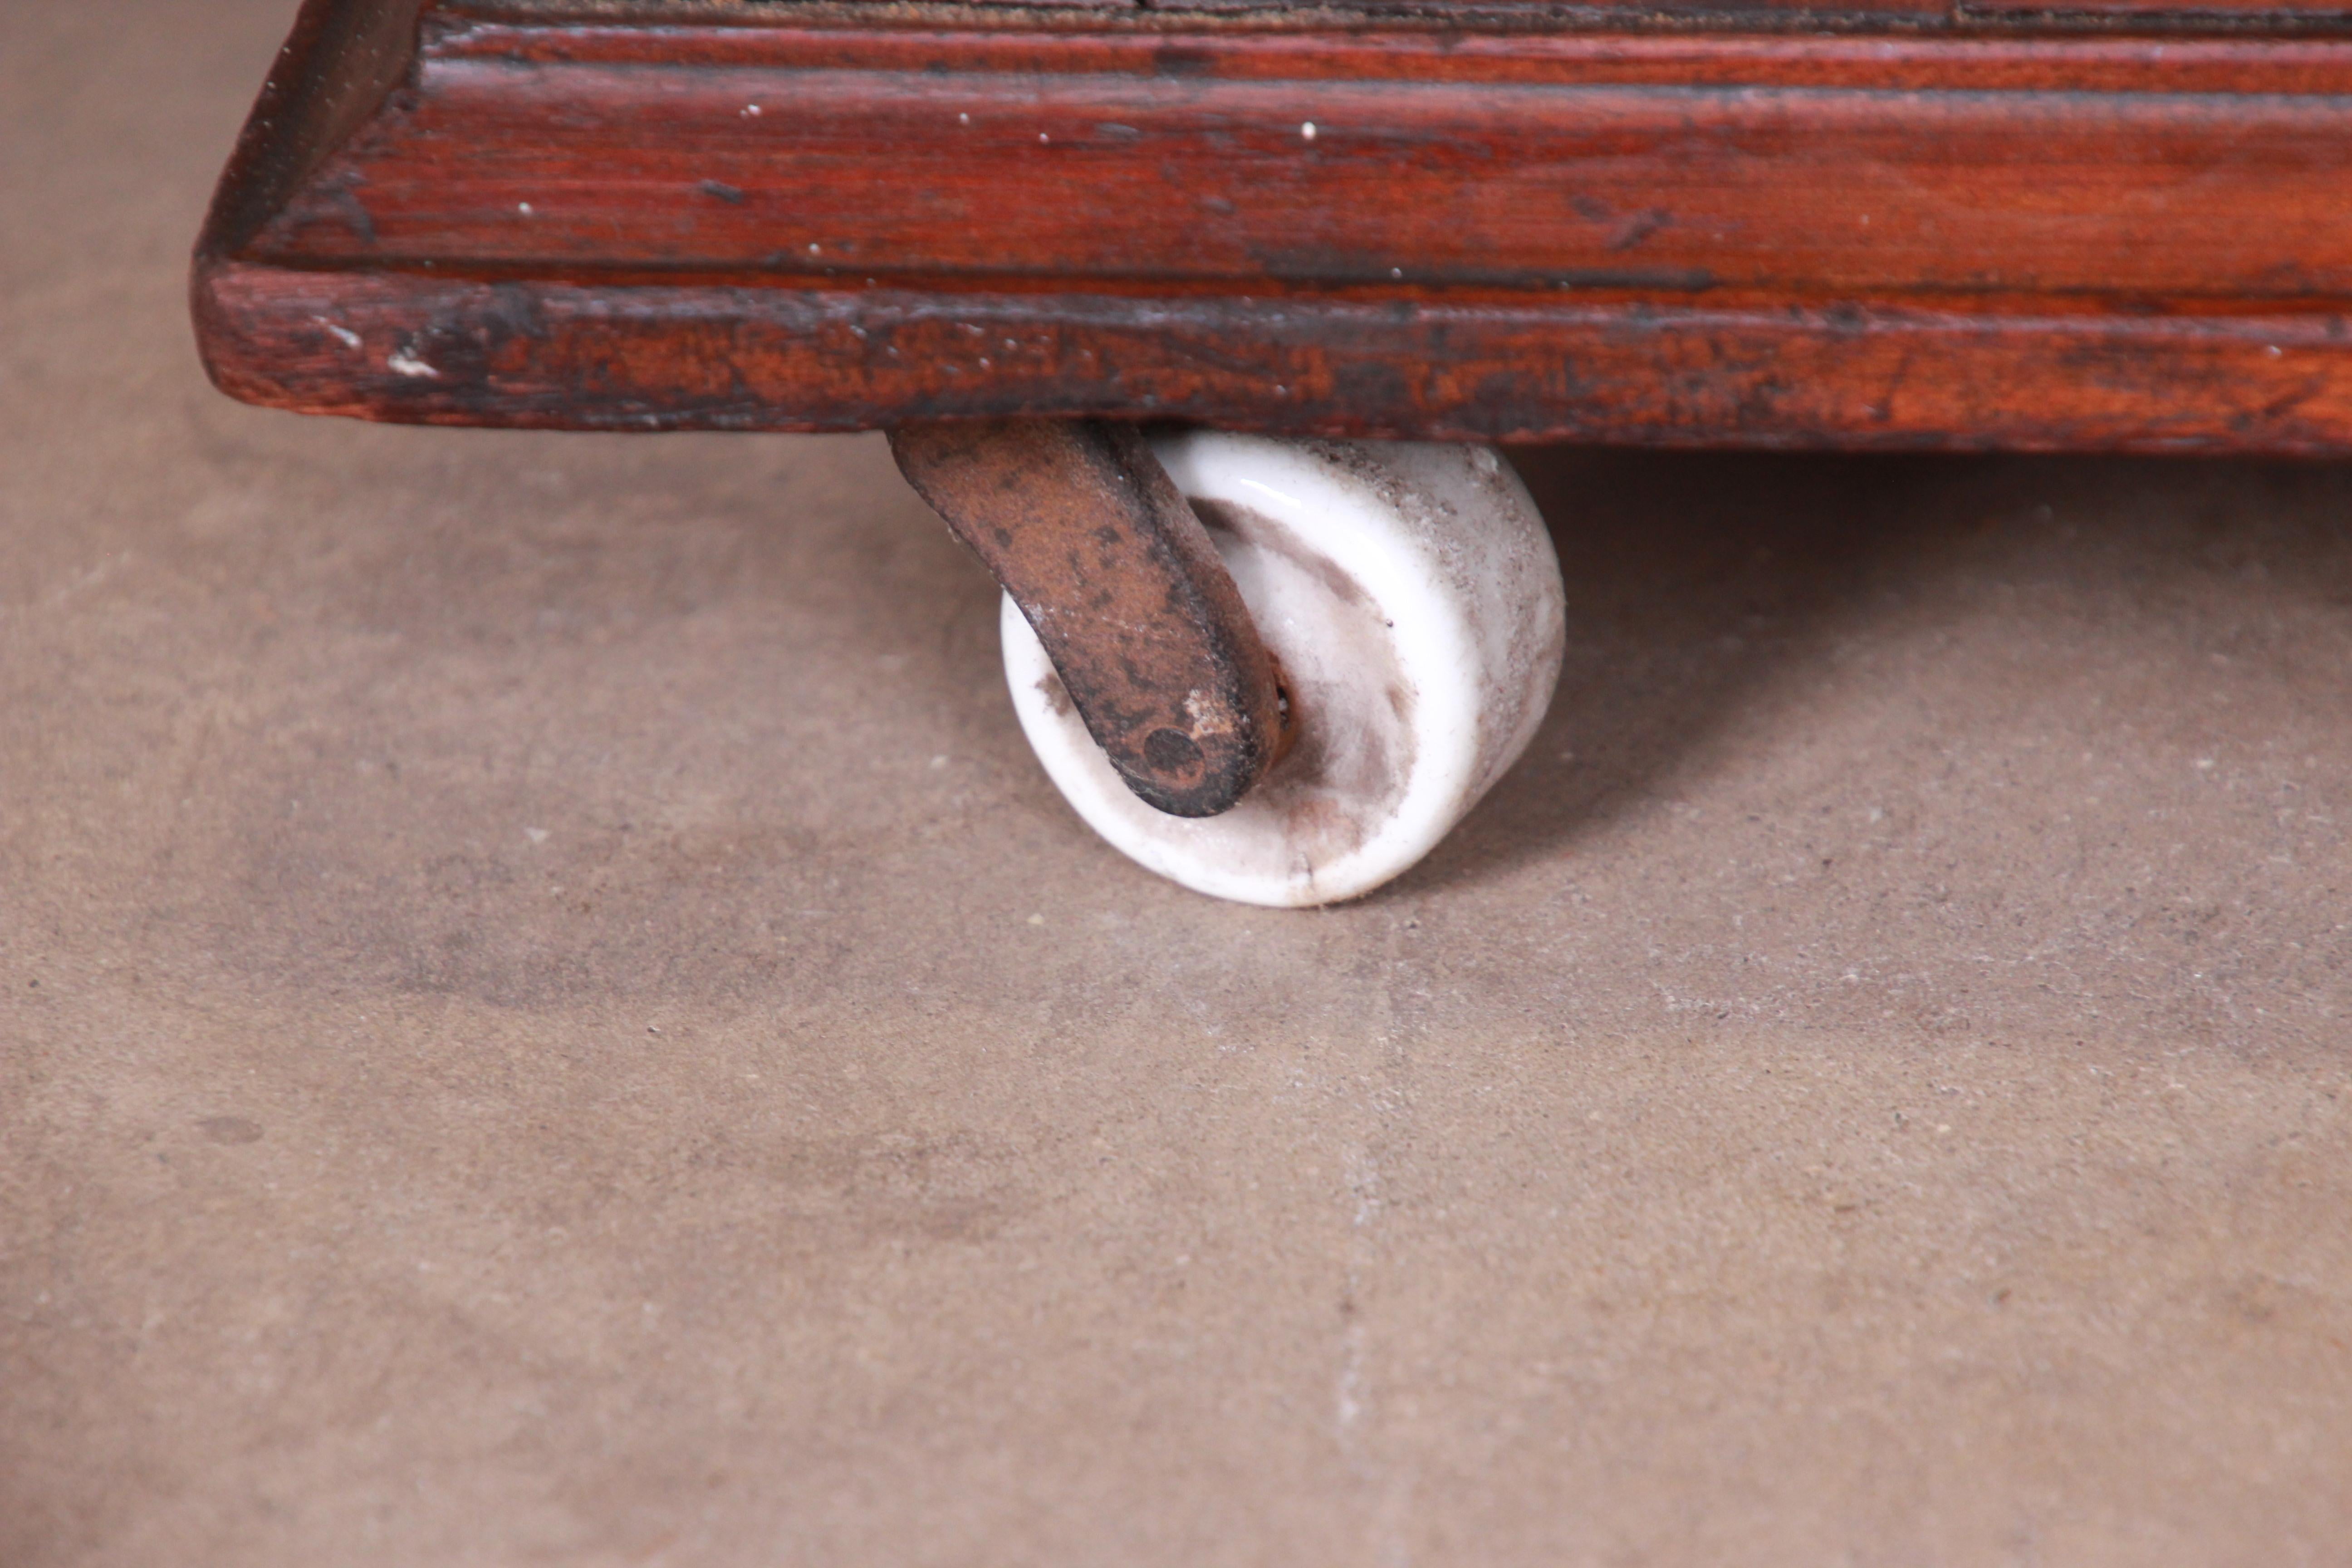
1699, 583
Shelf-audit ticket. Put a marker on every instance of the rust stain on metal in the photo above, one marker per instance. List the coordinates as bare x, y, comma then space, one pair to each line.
1082, 526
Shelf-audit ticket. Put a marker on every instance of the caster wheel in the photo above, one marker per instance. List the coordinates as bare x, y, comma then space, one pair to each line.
1409, 595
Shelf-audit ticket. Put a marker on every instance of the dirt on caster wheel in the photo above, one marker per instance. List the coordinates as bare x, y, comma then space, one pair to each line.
1411, 597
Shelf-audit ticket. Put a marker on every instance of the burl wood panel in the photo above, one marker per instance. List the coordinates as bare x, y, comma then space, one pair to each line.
798, 219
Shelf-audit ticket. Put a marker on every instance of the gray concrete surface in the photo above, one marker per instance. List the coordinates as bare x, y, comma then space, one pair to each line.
547, 1016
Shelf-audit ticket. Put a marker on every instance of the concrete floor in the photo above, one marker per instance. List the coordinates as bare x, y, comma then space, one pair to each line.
546, 1013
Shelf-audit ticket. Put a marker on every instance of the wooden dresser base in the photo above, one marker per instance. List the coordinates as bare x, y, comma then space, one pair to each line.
812, 219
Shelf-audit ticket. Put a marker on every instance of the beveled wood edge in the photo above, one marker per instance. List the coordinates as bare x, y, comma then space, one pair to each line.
659, 114
331, 75
1888, 18
414, 348
601, 353
1200, 44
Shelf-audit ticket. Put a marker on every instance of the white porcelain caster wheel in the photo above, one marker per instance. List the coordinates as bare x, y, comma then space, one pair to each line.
1412, 597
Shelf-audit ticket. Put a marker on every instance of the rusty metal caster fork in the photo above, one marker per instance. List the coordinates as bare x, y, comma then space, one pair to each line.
1115, 574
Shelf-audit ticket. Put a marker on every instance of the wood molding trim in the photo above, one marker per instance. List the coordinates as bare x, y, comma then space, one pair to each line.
2055, 242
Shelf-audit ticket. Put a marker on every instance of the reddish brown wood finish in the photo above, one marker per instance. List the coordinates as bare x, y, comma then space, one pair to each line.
860, 219
452, 352
1672, 190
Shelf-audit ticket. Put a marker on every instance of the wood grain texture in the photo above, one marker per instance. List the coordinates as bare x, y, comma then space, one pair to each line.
1799, 15
333, 72
1760, 240
1668, 188
456, 352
